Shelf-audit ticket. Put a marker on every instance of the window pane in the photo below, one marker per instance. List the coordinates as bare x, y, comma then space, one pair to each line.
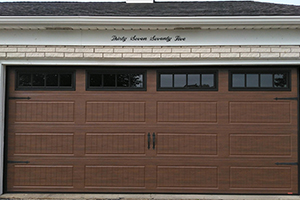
280, 80
25, 80
109, 80
45, 79
118, 80
266, 80
65, 80
52, 80
179, 80
136, 80
123, 80
238, 80
95, 80
207, 80
38, 80
252, 80
193, 80
166, 80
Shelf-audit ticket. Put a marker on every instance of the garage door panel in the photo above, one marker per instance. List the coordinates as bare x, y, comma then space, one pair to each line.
260, 112
266, 145
44, 144
115, 111
43, 176
187, 176
187, 112
252, 178
44, 111
114, 176
115, 143
179, 144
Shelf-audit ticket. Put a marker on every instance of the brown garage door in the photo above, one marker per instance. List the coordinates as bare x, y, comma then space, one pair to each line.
165, 131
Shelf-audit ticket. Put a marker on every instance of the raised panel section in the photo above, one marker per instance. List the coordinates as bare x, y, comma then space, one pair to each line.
187, 112
44, 143
43, 175
260, 177
115, 111
115, 143
187, 176
44, 111
187, 144
114, 176
259, 112
260, 145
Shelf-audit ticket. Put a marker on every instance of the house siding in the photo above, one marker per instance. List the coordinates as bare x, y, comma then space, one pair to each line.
161, 52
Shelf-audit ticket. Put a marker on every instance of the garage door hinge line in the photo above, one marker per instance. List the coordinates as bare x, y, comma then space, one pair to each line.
288, 98
19, 98
19, 162
292, 163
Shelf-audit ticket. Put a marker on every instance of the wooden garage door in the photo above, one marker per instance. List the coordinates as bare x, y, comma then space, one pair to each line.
223, 133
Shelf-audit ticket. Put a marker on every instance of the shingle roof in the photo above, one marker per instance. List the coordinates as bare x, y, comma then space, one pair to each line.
215, 8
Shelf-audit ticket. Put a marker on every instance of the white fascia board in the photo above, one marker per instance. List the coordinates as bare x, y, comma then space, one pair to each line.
176, 22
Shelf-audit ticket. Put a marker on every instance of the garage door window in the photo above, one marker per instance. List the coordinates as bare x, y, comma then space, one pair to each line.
45, 80
97, 80
259, 80
187, 81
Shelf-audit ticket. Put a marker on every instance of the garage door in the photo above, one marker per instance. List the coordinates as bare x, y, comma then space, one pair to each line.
152, 130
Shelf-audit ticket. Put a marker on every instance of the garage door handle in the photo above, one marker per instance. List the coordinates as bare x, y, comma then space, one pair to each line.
149, 138
153, 140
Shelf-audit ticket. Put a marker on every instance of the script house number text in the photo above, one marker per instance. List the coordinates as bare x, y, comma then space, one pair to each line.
153, 38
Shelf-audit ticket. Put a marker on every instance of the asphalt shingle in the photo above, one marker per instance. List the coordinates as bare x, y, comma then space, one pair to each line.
167, 9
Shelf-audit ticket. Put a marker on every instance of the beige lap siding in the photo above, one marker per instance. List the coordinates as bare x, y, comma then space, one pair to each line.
185, 52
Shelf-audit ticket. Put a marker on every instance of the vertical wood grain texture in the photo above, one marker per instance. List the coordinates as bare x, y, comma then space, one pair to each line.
44, 111
260, 112
39, 175
44, 143
115, 176
260, 145
187, 111
187, 144
115, 111
187, 176
260, 177
114, 143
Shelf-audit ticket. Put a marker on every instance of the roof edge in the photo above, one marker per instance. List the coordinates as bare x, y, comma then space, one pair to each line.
82, 21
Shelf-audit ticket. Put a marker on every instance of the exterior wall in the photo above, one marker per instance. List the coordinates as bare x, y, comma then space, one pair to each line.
160, 52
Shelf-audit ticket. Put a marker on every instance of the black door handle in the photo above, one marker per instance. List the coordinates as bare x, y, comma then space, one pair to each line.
153, 140
149, 138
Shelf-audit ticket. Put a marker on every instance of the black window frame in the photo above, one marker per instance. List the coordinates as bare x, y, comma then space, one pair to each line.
187, 72
45, 71
259, 72
88, 72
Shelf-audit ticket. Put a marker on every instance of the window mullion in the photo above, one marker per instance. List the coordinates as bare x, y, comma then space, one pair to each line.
273, 80
245, 83
200, 81
173, 80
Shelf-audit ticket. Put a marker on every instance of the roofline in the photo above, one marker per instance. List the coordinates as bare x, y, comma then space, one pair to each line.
253, 20
123, 21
